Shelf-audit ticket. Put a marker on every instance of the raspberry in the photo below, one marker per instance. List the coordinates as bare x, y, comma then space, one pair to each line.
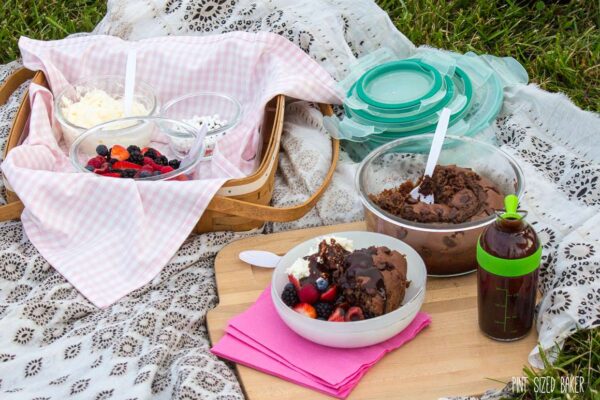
289, 295
96, 162
324, 310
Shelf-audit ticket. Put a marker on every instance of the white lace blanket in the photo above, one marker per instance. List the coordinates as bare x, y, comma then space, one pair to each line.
153, 344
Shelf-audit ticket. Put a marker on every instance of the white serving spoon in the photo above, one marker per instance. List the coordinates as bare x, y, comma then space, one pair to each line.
260, 258
434, 154
130, 68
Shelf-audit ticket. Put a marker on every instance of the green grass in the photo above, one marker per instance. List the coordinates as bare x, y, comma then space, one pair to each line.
558, 43
44, 19
579, 358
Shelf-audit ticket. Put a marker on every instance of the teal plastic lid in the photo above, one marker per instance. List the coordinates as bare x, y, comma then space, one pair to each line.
357, 127
399, 84
425, 111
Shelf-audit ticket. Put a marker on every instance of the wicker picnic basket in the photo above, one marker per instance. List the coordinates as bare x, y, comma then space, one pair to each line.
240, 205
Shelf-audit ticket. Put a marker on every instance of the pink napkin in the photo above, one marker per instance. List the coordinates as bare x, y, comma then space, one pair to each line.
258, 338
109, 237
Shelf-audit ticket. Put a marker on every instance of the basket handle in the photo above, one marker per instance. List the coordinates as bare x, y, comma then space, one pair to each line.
13, 209
12, 83
263, 213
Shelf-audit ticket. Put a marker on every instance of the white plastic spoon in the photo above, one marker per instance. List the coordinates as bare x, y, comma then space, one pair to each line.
434, 154
260, 258
129, 82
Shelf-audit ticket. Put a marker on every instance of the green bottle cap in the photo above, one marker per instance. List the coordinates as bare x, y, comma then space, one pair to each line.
511, 204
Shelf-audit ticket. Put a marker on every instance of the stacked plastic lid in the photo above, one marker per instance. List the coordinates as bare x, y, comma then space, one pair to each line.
400, 98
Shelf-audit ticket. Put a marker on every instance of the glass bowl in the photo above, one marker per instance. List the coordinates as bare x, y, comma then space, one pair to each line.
448, 249
356, 333
189, 107
125, 131
114, 86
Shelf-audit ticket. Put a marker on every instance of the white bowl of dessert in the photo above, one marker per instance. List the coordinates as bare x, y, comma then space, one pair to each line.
353, 289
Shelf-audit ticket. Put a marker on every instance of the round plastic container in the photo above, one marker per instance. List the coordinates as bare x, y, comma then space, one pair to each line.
357, 333
447, 249
125, 131
187, 107
114, 86
399, 85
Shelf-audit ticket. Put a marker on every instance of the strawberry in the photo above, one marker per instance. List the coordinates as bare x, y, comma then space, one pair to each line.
354, 314
329, 294
308, 294
119, 152
293, 280
105, 167
337, 315
111, 174
166, 169
126, 165
150, 162
306, 309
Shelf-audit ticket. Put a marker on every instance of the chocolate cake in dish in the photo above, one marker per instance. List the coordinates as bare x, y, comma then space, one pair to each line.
338, 283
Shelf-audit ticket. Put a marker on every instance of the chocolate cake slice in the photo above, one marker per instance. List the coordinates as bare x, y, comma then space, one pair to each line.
374, 279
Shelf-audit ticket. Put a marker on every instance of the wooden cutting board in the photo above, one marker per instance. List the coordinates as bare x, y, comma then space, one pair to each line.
450, 357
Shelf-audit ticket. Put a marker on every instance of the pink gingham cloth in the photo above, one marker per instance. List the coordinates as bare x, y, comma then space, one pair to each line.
109, 237
259, 339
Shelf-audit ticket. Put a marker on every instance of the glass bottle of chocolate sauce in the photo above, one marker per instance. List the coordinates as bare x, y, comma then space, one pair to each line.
508, 255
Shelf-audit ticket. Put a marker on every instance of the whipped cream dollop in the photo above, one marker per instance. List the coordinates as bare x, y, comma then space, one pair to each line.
96, 107
347, 244
299, 269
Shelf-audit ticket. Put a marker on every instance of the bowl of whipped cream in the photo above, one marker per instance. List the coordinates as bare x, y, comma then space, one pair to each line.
94, 101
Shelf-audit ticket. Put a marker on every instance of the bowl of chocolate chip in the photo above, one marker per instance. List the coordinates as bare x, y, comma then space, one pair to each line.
469, 183
349, 289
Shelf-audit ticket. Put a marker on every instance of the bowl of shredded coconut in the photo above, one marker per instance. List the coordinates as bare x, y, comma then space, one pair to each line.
219, 112
94, 101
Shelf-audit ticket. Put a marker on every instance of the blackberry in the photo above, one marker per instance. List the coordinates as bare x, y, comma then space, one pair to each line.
137, 158
128, 173
289, 295
112, 161
133, 149
162, 160
174, 164
151, 153
324, 310
102, 150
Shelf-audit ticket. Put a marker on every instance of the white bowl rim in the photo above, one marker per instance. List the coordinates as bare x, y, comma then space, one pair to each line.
464, 226
364, 322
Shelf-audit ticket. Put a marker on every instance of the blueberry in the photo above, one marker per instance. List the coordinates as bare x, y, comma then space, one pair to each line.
322, 284
174, 164
102, 150
89, 168
156, 173
145, 174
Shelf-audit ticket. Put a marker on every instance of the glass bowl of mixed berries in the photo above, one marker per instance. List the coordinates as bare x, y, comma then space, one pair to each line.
107, 150
354, 289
